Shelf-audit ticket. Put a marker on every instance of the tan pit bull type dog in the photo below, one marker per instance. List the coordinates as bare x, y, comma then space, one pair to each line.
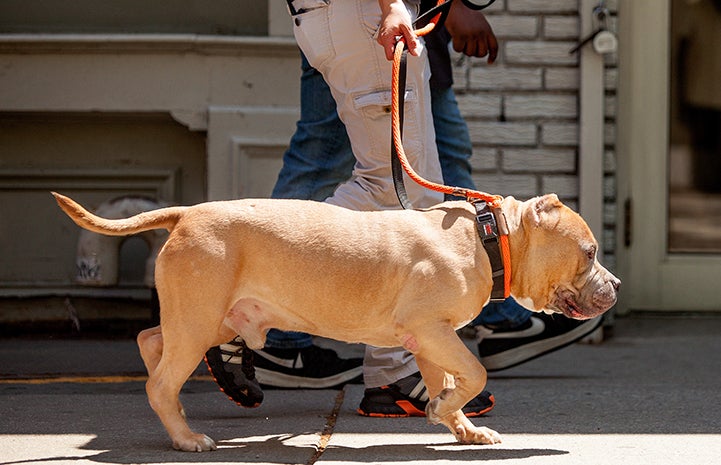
387, 278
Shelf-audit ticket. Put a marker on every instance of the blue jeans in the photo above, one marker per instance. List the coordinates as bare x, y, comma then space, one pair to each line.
319, 158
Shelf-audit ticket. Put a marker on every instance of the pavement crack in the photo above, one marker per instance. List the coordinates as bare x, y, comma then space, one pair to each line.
328, 429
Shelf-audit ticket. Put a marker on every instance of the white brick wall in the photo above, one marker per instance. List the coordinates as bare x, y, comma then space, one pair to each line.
523, 111
502, 77
539, 160
526, 52
500, 133
562, 79
540, 105
560, 27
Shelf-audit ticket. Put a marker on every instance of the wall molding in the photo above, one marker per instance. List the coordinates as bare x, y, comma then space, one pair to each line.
164, 182
255, 161
155, 43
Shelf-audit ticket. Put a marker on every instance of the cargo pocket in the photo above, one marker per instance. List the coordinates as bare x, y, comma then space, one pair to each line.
376, 106
312, 32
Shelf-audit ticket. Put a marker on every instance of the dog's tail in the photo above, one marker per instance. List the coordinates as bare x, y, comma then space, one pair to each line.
164, 218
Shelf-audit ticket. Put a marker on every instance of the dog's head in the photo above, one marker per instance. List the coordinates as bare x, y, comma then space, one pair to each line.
554, 260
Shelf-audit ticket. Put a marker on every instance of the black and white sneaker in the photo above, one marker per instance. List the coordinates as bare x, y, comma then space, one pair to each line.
408, 397
307, 368
501, 348
231, 365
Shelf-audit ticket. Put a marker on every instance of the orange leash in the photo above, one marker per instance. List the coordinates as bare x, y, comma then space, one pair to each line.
493, 201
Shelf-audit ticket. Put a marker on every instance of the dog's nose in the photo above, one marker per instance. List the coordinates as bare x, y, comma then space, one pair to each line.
616, 283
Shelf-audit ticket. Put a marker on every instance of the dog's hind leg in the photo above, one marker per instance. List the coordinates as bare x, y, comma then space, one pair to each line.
187, 332
150, 343
181, 355
163, 390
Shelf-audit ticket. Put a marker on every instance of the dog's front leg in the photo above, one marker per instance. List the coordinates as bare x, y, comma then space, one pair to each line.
436, 357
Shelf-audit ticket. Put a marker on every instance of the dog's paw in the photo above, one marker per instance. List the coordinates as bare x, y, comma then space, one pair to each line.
195, 443
478, 435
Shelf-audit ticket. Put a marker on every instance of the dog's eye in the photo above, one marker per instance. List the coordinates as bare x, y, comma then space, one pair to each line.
590, 252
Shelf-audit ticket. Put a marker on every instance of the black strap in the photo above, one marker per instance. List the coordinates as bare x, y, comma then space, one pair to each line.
444, 8
487, 226
396, 166
291, 8
424, 18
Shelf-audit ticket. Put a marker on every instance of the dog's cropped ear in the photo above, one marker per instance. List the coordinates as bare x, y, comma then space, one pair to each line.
540, 207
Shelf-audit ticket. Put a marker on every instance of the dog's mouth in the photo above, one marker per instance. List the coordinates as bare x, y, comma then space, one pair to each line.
571, 309
575, 306
566, 302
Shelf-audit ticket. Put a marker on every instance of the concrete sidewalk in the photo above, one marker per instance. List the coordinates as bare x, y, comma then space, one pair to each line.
649, 395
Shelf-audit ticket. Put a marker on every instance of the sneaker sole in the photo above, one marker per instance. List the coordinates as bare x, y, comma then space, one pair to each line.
210, 370
406, 407
513, 357
283, 380
410, 410
479, 413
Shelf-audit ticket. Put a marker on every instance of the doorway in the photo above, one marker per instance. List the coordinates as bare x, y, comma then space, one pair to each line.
694, 202
669, 151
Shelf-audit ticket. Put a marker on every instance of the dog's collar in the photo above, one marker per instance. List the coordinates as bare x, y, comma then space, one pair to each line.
493, 231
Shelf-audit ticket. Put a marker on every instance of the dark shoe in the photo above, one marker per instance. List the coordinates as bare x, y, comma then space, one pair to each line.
231, 365
504, 348
408, 397
308, 368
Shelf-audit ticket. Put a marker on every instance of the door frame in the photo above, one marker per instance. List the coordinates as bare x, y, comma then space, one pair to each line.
653, 278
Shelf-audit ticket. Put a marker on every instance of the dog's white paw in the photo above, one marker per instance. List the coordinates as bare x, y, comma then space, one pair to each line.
195, 443
478, 435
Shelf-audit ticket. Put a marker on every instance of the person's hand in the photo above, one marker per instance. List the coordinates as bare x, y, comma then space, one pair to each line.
396, 22
471, 33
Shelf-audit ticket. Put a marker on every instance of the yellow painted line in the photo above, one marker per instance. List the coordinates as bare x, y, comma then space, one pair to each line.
89, 379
